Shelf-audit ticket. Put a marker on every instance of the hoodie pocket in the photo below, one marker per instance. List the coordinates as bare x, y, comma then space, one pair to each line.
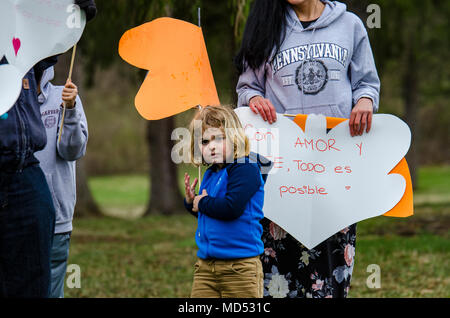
329, 110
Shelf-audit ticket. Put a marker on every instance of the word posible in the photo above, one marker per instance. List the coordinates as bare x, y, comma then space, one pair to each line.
303, 190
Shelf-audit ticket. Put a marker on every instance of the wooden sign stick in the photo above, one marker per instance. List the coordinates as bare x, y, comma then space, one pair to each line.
199, 107
200, 166
64, 104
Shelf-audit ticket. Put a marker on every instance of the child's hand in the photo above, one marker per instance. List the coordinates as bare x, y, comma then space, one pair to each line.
189, 189
69, 94
197, 200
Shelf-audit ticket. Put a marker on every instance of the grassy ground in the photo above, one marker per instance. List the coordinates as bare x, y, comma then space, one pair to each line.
153, 256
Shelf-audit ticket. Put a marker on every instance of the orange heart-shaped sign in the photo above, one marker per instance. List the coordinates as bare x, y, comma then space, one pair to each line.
180, 75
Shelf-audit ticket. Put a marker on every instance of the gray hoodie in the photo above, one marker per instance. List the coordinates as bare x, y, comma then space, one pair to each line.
58, 160
323, 69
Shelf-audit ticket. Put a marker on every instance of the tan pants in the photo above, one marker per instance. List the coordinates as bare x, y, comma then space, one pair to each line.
236, 278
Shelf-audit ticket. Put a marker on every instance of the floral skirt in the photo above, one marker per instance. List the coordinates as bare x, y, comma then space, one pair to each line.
291, 270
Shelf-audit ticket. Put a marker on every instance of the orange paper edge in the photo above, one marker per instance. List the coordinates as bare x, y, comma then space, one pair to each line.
405, 207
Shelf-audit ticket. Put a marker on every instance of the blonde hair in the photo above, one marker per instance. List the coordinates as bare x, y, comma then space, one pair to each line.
222, 117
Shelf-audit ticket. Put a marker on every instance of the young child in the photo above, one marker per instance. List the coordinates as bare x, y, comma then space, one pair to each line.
229, 208
58, 164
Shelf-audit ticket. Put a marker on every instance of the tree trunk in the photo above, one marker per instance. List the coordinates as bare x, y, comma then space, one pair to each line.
86, 205
165, 196
411, 99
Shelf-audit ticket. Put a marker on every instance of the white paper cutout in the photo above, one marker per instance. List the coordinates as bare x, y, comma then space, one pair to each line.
30, 31
333, 199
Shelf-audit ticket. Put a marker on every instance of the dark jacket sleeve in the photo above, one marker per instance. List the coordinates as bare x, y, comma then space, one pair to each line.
189, 208
243, 182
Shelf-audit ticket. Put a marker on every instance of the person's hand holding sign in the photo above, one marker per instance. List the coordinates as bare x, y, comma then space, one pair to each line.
69, 94
361, 117
264, 107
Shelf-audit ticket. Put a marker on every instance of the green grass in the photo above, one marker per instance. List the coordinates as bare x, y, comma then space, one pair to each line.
154, 256
121, 191
148, 257
130, 193
415, 266
434, 180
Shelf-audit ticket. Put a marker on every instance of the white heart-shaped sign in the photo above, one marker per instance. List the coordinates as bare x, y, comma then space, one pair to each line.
322, 182
31, 31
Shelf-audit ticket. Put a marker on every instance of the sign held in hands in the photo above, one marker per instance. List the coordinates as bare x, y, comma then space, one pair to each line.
322, 182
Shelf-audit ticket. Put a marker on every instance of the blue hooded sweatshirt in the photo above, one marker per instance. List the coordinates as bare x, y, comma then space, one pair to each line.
58, 159
324, 68
229, 217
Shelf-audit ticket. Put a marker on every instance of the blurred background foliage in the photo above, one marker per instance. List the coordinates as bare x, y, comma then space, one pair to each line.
124, 255
410, 48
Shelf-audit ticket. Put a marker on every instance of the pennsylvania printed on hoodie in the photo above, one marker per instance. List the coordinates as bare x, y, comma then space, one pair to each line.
323, 69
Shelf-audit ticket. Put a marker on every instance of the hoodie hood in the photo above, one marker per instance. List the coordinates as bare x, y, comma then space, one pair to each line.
333, 10
45, 84
41, 66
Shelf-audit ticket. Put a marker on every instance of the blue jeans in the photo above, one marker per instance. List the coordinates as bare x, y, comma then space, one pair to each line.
60, 254
27, 222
